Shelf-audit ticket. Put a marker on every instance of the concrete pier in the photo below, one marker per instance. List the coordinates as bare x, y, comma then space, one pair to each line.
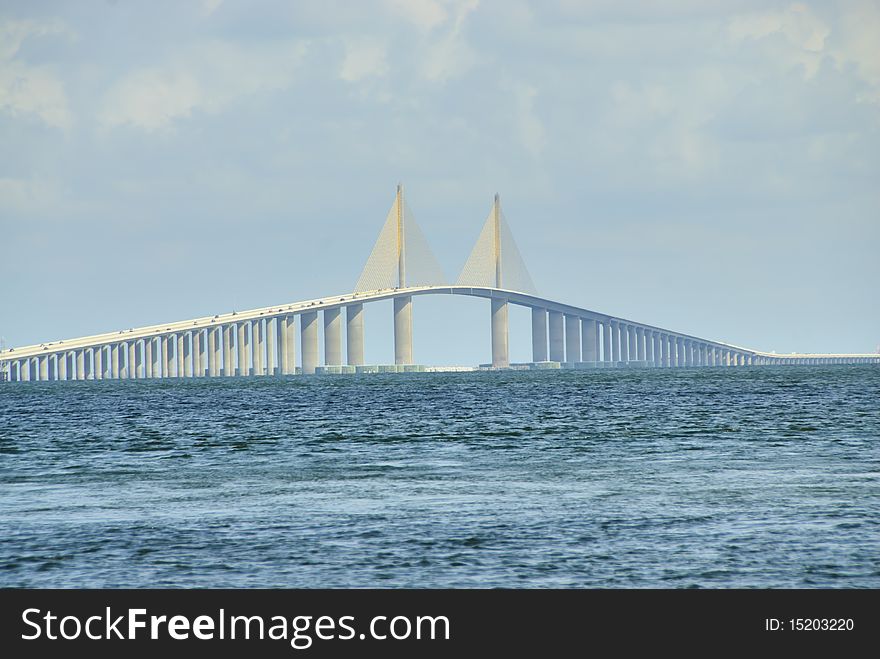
289, 334
242, 367
354, 334
500, 353
403, 349
309, 340
590, 340
258, 338
557, 336
228, 350
539, 335
180, 370
271, 355
572, 338
332, 337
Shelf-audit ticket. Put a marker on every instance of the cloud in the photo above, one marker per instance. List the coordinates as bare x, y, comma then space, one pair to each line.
425, 14
26, 90
449, 55
802, 35
364, 58
208, 76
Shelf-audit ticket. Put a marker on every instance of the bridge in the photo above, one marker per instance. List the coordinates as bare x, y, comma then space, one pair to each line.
399, 268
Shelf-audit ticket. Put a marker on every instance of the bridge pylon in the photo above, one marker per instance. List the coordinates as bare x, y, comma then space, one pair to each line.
495, 261
400, 258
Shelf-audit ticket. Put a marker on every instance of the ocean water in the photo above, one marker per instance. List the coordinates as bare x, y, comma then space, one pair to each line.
747, 477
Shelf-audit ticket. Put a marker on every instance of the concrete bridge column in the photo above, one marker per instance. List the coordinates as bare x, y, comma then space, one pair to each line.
630, 351
44, 367
258, 338
557, 338
641, 348
539, 335
167, 350
615, 341
354, 334
704, 355
572, 338
290, 338
24, 367
590, 340
241, 343
114, 361
157, 371
656, 356
309, 339
271, 356
98, 358
130, 360
186, 360
681, 349
332, 337
179, 368
141, 361
148, 358
403, 348
228, 356
198, 370
212, 353
62, 366
606, 341
500, 333
80, 364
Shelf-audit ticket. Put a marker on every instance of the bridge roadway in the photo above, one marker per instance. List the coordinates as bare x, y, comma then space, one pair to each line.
245, 343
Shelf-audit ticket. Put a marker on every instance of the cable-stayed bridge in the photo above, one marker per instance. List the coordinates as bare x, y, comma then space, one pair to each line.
400, 267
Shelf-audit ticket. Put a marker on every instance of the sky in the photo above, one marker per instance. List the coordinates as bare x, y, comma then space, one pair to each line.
706, 167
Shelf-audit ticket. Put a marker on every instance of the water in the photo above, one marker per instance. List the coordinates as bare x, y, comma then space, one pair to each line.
764, 477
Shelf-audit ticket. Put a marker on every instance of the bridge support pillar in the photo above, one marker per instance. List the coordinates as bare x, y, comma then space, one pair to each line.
309, 339
241, 345
354, 334
500, 354
539, 334
589, 340
228, 356
271, 359
557, 338
332, 337
98, 358
180, 369
258, 338
606, 341
212, 352
641, 350
289, 345
572, 338
403, 350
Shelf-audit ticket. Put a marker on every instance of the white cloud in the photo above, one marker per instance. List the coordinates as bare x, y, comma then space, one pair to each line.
425, 14
450, 55
858, 42
803, 32
206, 77
31, 91
364, 58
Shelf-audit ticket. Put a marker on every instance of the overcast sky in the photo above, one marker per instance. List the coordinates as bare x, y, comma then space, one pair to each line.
709, 167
